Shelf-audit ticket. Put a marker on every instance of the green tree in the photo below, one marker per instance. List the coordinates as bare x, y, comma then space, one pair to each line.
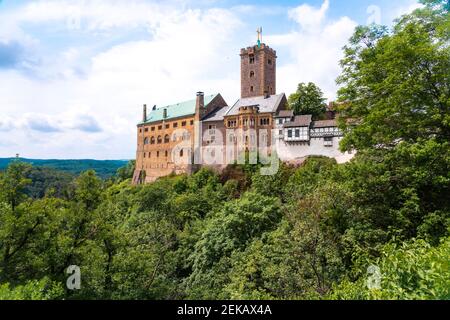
308, 99
88, 190
272, 185
396, 85
48, 181
43, 289
126, 172
411, 271
78, 240
230, 230
13, 183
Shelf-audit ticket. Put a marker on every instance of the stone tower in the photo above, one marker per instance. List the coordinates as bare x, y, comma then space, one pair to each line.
258, 71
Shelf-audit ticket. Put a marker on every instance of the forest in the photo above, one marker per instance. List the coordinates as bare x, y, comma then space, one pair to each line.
316, 231
104, 168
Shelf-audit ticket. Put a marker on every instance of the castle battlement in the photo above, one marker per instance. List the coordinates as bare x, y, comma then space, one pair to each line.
254, 49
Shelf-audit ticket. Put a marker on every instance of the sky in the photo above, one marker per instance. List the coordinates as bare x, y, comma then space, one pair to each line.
74, 74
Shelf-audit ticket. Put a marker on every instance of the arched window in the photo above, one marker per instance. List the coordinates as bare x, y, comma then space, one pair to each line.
264, 138
167, 153
186, 136
146, 141
152, 141
166, 138
174, 137
181, 153
252, 74
159, 139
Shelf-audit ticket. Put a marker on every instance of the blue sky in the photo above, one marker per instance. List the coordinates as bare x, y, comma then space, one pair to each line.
74, 73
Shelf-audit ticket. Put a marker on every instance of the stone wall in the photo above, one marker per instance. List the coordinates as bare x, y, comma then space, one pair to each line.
291, 152
259, 74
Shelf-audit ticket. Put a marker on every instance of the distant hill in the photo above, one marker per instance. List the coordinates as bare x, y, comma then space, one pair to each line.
104, 168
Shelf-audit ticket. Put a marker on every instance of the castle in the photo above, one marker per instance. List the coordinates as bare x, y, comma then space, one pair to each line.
205, 131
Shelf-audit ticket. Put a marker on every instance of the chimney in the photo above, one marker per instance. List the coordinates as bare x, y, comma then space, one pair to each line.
199, 105
144, 113
165, 113
197, 143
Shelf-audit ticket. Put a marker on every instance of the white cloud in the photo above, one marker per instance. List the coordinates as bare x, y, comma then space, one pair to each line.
95, 115
40, 123
403, 8
93, 14
314, 49
6, 124
308, 17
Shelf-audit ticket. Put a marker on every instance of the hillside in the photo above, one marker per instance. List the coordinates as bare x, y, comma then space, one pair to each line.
104, 168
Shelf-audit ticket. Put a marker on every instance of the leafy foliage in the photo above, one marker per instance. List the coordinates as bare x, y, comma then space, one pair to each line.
49, 181
308, 99
413, 270
396, 85
104, 168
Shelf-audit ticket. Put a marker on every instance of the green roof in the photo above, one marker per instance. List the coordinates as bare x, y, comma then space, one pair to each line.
178, 110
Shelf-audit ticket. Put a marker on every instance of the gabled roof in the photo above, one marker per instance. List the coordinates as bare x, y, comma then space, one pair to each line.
325, 123
299, 121
285, 114
181, 109
216, 115
265, 105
